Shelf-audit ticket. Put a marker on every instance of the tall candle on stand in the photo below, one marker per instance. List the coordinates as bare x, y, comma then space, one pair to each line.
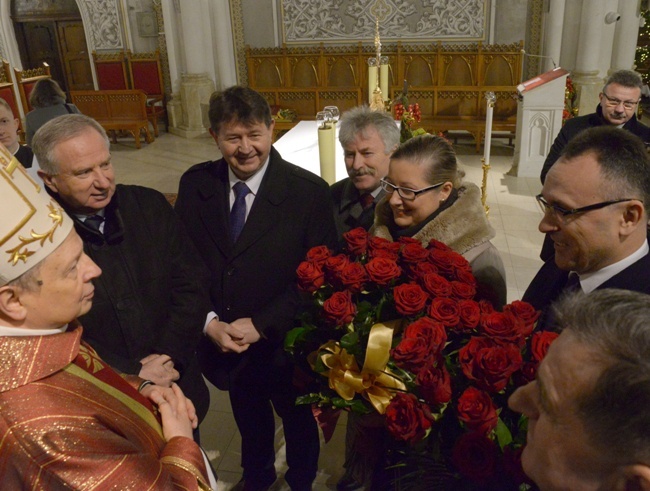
327, 146
491, 98
372, 78
383, 77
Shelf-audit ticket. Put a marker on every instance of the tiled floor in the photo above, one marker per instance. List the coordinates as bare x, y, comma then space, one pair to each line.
513, 213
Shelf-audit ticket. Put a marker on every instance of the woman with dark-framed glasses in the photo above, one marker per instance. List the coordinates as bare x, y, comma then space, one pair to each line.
427, 199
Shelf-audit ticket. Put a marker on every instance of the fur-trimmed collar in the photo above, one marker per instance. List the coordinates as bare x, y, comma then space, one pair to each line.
462, 226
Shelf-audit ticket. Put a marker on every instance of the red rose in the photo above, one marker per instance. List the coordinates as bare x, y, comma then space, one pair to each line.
407, 419
414, 253
383, 253
357, 241
477, 411
503, 326
459, 261
410, 299
436, 286
488, 363
486, 307
339, 309
470, 313
418, 270
382, 271
475, 457
380, 247
408, 240
310, 276
528, 373
524, 312
540, 342
433, 332
412, 354
436, 244
442, 260
435, 385
462, 290
318, 254
334, 265
465, 276
445, 310
354, 276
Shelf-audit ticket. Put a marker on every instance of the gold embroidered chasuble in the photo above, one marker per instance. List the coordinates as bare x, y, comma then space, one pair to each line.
68, 421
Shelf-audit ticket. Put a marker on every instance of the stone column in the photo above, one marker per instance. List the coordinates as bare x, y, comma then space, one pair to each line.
196, 85
553, 33
585, 75
625, 37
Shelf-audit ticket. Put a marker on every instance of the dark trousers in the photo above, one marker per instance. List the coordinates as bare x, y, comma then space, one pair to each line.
254, 393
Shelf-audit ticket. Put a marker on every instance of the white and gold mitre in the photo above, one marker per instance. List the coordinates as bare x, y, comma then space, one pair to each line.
32, 224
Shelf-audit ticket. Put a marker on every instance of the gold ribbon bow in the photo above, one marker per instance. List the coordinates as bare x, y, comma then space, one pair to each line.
375, 382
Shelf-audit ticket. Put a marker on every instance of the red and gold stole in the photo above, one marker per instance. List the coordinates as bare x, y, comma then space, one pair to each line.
90, 367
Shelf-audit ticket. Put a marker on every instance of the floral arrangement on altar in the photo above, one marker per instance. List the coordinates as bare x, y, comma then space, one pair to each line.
570, 104
408, 117
395, 328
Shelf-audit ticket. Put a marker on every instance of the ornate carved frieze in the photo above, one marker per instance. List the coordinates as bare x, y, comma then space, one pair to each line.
105, 26
345, 20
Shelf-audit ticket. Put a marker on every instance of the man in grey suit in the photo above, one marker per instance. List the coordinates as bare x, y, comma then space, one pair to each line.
253, 217
368, 139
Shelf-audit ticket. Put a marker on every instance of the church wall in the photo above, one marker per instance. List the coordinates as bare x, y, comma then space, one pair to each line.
141, 18
510, 21
259, 27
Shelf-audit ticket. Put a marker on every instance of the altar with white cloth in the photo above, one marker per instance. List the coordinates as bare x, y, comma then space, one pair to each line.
299, 146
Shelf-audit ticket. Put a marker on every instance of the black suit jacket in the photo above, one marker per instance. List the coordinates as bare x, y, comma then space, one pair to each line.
548, 284
348, 212
575, 125
256, 276
151, 296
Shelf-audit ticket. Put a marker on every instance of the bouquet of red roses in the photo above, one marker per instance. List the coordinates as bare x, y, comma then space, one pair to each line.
395, 328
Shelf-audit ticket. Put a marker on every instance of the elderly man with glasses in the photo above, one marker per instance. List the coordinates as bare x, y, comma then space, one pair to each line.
593, 202
619, 100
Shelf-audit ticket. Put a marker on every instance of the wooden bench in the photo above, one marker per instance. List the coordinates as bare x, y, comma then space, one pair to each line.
449, 82
115, 110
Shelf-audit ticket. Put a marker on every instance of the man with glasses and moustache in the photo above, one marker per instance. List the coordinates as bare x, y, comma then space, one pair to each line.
368, 139
619, 100
593, 202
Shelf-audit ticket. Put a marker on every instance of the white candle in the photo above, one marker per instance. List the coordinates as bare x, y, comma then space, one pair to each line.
327, 152
372, 82
383, 80
488, 132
